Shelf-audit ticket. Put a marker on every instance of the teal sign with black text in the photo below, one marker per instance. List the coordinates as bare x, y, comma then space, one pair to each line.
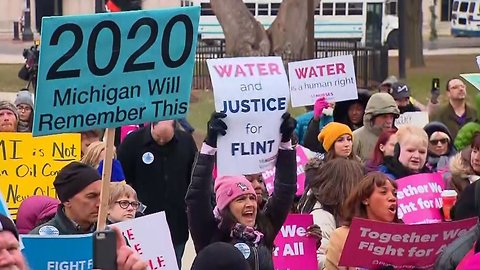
113, 69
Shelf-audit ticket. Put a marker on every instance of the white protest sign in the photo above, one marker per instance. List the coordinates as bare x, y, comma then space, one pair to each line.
253, 92
332, 78
419, 119
150, 237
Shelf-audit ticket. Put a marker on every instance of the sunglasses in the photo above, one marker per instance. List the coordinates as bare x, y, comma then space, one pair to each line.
124, 204
442, 141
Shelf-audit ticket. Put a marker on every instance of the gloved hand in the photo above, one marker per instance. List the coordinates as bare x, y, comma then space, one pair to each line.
320, 105
287, 127
435, 93
215, 126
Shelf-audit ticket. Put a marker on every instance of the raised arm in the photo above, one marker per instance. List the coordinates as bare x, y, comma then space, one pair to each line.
201, 220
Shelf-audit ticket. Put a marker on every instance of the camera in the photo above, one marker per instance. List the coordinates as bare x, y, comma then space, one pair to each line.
28, 72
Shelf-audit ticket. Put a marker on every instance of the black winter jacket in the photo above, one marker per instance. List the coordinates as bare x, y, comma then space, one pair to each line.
160, 174
204, 227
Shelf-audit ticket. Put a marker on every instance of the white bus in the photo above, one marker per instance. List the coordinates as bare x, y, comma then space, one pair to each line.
373, 22
465, 18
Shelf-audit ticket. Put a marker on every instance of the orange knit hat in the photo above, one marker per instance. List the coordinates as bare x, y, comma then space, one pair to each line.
331, 132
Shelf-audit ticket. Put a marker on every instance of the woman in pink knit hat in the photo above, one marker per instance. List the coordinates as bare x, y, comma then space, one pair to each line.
237, 218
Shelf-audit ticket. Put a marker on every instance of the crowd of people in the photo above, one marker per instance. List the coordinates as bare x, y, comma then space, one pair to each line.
360, 154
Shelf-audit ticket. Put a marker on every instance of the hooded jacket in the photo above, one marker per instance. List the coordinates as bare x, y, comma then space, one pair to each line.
435, 162
33, 210
340, 112
462, 173
366, 137
204, 227
340, 115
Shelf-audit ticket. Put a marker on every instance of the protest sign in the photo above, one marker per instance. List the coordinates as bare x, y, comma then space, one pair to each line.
29, 165
473, 78
112, 69
293, 247
253, 92
332, 78
302, 159
59, 251
3, 206
154, 246
419, 198
402, 246
419, 119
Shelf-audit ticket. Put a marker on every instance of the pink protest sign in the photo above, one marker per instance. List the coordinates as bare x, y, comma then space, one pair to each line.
419, 199
293, 247
372, 244
302, 159
125, 130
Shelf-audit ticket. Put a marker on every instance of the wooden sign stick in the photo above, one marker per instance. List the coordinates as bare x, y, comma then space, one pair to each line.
106, 177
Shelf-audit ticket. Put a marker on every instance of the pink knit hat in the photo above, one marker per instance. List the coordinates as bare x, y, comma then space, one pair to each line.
228, 188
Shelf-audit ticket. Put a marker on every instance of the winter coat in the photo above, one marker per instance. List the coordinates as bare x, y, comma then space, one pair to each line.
465, 134
392, 168
461, 171
365, 138
33, 210
446, 115
326, 221
60, 224
453, 254
160, 174
435, 162
340, 112
335, 248
204, 227
310, 139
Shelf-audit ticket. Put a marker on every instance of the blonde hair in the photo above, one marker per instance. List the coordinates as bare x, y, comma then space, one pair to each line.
92, 156
119, 190
406, 132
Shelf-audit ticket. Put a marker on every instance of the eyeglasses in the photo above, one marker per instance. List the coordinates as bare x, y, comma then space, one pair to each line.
24, 108
442, 141
125, 204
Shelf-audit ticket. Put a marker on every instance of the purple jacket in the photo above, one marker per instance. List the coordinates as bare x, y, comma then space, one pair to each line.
35, 209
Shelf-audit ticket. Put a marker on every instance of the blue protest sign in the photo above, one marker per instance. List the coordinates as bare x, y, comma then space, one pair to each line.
473, 78
58, 252
113, 69
3, 206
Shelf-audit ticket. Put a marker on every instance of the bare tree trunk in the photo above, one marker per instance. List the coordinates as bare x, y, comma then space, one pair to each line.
414, 41
288, 32
244, 35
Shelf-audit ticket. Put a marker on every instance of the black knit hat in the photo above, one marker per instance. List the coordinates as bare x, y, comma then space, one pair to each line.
73, 178
435, 126
7, 224
220, 256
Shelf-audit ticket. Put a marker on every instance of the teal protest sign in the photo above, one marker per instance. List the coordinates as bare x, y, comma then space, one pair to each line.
473, 78
50, 252
113, 69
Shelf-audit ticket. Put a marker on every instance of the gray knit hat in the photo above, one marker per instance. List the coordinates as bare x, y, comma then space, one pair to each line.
24, 97
7, 105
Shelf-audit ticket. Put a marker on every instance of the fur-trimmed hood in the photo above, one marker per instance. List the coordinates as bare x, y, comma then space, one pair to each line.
459, 166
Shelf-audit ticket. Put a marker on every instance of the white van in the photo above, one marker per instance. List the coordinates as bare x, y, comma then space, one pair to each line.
465, 20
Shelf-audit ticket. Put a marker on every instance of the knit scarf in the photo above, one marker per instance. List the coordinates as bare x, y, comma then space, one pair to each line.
241, 232
23, 126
